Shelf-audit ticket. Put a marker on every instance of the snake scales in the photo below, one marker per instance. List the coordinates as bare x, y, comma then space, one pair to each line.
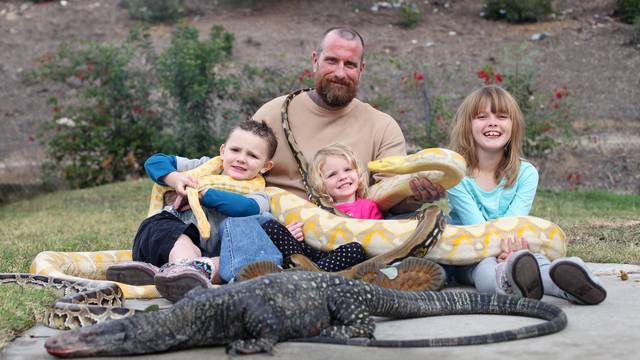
90, 301
85, 303
459, 245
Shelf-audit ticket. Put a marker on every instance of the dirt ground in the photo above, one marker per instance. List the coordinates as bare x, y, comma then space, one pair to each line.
585, 51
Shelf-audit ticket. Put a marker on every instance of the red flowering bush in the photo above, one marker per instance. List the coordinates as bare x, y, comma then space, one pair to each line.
306, 78
546, 116
426, 117
574, 180
425, 120
489, 76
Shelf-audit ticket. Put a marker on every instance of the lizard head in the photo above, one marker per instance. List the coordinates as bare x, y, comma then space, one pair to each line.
100, 339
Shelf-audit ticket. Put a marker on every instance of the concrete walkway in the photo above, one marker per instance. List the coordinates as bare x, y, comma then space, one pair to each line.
605, 331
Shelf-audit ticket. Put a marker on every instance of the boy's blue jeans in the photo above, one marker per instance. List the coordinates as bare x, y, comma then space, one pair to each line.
243, 241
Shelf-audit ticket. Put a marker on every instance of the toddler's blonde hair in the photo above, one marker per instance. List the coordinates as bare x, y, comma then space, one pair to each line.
315, 173
461, 138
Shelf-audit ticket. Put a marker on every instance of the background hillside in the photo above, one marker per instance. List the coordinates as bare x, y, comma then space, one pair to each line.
586, 50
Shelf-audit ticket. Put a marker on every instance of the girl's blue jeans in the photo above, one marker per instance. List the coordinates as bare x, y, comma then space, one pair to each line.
243, 241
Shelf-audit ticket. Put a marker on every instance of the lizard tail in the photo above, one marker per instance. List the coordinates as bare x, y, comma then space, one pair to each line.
421, 304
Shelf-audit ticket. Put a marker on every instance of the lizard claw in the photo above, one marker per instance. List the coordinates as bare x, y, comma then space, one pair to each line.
250, 346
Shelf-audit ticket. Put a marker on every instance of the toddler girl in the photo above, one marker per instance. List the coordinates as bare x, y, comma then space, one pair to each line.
341, 182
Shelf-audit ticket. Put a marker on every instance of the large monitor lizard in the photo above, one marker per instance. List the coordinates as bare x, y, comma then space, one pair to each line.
252, 316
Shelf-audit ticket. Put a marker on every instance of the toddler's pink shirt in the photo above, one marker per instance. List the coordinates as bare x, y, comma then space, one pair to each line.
361, 209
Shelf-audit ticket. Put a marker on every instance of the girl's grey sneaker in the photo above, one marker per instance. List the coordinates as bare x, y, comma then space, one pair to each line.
176, 279
573, 277
520, 276
133, 273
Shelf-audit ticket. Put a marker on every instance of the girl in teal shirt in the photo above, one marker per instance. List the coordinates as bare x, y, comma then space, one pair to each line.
488, 132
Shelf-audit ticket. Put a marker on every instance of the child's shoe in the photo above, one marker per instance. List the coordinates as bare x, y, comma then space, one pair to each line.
176, 279
573, 277
132, 272
519, 275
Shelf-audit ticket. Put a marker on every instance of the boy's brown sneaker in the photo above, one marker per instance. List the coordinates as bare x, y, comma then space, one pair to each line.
176, 279
136, 273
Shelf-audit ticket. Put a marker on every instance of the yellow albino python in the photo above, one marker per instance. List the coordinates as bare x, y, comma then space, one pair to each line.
458, 245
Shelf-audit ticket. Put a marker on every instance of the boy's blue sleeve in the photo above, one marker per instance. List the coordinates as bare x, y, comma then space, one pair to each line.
230, 204
526, 186
464, 209
159, 165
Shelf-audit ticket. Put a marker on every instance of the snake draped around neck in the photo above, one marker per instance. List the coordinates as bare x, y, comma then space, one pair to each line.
372, 135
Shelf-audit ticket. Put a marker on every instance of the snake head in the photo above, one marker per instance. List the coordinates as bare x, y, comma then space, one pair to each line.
100, 339
388, 164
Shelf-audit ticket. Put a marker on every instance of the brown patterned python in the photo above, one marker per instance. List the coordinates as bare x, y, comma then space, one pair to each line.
85, 303
457, 245
88, 298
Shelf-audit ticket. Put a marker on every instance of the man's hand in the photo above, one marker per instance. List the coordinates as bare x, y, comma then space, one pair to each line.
180, 182
511, 244
424, 191
296, 230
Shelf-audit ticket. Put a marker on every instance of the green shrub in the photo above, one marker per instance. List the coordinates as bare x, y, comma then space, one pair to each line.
254, 86
635, 37
104, 130
410, 16
627, 10
124, 103
127, 102
188, 71
155, 10
247, 90
517, 11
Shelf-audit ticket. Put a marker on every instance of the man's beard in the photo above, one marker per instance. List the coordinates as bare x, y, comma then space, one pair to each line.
336, 95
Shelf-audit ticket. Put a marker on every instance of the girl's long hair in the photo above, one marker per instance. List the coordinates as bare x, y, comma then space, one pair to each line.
315, 174
461, 137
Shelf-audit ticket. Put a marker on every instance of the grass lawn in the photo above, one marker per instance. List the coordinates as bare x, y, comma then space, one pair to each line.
602, 227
